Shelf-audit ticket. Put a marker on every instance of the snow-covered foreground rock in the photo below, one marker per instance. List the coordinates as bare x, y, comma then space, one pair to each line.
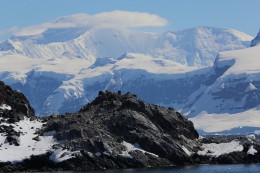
113, 131
215, 149
25, 143
104, 134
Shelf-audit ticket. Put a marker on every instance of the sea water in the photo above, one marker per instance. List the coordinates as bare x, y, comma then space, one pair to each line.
241, 168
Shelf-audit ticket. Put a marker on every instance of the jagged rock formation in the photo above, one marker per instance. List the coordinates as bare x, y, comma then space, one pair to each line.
114, 131
111, 121
18, 103
13, 107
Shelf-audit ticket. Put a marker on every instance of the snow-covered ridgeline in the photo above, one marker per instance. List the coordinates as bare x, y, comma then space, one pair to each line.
192, 47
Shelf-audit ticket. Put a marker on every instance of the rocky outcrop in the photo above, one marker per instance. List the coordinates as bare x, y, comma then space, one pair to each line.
13, 107
1, 99
113, 123
114, 131
17, 105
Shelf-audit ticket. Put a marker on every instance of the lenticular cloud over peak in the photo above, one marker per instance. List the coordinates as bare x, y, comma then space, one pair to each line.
125, 19
118, 18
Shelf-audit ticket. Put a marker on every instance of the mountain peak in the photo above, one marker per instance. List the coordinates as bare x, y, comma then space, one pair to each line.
53, 35
209, 30
191, 47
7, 45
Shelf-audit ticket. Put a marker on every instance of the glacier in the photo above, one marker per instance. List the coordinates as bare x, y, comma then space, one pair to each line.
207, 73
232, 100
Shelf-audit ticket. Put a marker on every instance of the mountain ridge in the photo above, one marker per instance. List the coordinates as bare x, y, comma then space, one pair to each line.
94, 43
62, 76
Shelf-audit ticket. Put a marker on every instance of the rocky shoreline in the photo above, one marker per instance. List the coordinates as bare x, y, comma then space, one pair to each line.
114, 131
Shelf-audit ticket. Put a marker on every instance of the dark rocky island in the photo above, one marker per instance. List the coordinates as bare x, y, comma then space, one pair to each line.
114, 131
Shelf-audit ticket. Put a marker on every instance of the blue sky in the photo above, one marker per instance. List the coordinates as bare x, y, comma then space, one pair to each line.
242, 15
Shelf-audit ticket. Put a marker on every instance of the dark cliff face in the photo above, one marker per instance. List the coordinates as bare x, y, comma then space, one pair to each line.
256, 40
126, 112
112, 120
17, 102
13, 107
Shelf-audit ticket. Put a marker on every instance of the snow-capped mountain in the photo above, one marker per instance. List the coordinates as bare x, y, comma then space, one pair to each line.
192, 47
60, 70
231, 100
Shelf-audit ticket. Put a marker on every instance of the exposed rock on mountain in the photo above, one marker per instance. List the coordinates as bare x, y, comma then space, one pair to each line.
256, 40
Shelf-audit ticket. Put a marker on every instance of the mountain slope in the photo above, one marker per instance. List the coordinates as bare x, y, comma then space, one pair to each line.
60, 72
232, 100
199, 46
192, 47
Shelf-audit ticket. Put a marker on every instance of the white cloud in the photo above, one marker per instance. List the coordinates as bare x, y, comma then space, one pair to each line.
5, 32
118, 18
124, 19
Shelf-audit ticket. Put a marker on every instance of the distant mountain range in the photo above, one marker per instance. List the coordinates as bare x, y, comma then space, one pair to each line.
61, 70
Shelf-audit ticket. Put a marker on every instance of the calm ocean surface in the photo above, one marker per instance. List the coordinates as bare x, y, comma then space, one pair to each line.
251, 168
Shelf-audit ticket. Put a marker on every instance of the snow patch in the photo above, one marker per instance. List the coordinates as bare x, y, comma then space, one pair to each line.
251, 150
242, 36
28, 146
135, 147
5, 107
250, 87
216, 150
60, 155
186, 150
245, 60
225, 121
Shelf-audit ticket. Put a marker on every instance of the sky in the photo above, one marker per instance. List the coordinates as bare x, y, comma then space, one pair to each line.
167, 15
